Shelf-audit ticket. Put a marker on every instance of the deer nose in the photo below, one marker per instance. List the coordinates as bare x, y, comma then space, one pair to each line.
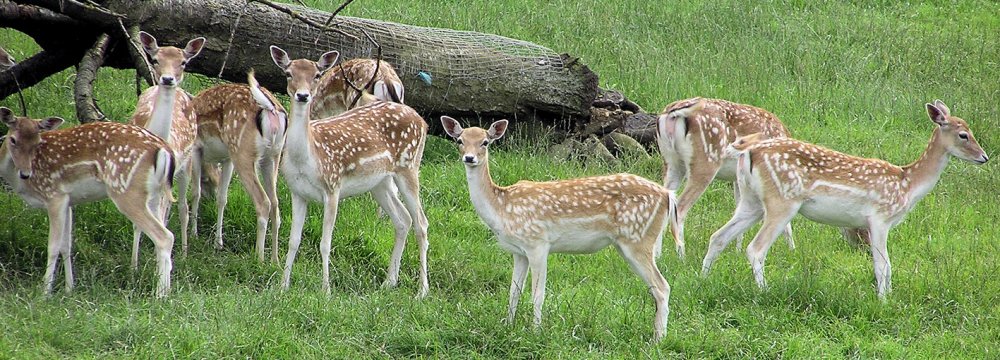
985, 158
302, 97
24, 175
469, 159
167, 80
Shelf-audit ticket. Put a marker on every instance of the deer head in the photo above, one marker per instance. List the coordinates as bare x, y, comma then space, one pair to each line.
24, 137
955, 134
473, 142
303, 75
168, 61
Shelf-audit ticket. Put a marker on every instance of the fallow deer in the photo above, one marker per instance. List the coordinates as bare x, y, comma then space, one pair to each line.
533, 219
339, 87
779, 178
692, 135
58, 169
363, 150
6, 60
169, 114
243, 128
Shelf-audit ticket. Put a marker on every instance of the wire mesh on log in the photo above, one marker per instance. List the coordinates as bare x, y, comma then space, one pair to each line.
467, 54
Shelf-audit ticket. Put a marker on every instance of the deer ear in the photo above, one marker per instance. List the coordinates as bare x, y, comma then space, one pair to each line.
382, 91
7, 116
327, 60
5, 59
50, 123
497, 130
398, 88
940, 105
193, 47
937, 115
148, 43
451, 126
280, 57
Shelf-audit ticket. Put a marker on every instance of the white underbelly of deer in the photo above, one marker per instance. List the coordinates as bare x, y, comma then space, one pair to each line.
727, 171
214, 150
86, 190
303, 182
837, 211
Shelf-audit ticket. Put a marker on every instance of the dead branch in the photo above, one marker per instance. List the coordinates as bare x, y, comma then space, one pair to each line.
91, 12
83, 87
299, 17
330, 19
36, 68
378, 64
143, 68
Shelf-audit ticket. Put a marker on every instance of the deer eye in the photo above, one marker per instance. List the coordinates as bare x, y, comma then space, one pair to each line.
13, 141
961, 135
459, 141
184, 63
318, 75
288, 74
485, 142
153, 61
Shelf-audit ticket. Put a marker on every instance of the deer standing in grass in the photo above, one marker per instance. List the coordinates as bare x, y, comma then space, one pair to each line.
692, 135
779, 178
169, 114
58, 169
242, 127
367, 149
339, 87
580, 216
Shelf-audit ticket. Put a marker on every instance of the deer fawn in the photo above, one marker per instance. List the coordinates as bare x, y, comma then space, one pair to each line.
692, 135
62, 168
169, 114
778, 178
363, 150
6, 60
533, 219
338, 88
243, 128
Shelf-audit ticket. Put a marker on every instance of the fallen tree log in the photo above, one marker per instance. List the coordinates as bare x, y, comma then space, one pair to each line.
445, 71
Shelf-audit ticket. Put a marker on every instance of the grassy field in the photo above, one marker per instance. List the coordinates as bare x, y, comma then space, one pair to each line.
849, 75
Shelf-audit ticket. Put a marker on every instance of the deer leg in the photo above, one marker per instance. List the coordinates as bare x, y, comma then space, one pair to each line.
748, 212
673, 174
697, 182
196, 174
183, 180
538, 262
387, 199
408, 184
787, 234
222, 199
163, 239
330, 205
777, 215
247, 169
299, 209
643, 263
67, 249
880, 258
269, 171
57, 220
517, 284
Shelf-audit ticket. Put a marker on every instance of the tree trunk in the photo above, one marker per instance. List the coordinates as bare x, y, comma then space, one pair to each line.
444, 71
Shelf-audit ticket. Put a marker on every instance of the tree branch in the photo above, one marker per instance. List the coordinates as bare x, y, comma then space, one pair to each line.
378, 65
299, 17
83, 87
36, 68
142, 66
91, 12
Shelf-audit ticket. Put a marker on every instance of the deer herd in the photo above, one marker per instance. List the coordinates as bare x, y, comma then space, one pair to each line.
338, 140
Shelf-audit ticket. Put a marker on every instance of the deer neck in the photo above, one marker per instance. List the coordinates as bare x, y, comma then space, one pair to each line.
925, 172
162, 118
484, 194
298, 139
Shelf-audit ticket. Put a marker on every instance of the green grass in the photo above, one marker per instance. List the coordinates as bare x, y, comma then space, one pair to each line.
849, 75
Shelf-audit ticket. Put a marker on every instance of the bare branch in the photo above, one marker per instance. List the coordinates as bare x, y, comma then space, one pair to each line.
92, 12
330, 19
33, 70
143, 69
378, 65
297, 16
83, 87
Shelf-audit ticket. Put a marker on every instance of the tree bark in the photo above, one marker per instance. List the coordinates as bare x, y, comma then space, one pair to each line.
83, 86
557, 92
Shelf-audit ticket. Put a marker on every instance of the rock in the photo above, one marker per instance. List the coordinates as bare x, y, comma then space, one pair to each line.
641, 127
624, 146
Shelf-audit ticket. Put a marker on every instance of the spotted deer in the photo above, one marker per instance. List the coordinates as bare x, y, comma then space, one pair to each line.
778, 178
58, 169
169, 114
692, 135
579, 216
339, 87
242, 127
6, 60
363, 150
